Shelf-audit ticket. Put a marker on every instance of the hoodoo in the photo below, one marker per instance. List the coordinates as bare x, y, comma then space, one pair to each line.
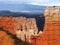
52, 24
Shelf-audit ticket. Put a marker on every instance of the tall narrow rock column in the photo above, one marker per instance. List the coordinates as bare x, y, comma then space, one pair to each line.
52, 24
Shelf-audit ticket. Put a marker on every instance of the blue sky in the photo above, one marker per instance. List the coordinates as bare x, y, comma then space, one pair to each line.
14, 5
33, 2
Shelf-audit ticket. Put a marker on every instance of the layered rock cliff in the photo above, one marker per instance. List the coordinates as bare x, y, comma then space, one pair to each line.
20, 26
52, 24
51, 31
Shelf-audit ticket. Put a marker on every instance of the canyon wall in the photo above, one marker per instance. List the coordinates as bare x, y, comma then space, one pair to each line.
26, 23
51, 31
52, 24
20, 26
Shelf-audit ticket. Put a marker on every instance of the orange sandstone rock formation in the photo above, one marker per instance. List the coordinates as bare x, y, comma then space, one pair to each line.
14, 24
51, 32
8, 23
5, 39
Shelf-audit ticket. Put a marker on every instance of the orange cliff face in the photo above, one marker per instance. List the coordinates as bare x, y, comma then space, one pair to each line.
8, 23
13, 24
51, 32
52, 24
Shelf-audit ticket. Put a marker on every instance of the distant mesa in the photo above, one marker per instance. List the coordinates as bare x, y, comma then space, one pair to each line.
21, 13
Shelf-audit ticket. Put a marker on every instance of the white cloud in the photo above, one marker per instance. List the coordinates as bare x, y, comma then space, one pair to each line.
44, 4
34, 3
